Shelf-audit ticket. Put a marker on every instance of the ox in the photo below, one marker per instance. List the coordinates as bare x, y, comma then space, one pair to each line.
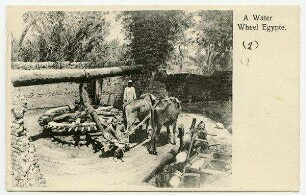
165, 113
138, 110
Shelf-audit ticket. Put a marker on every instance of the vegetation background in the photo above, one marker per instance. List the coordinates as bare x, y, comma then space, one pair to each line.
178, 41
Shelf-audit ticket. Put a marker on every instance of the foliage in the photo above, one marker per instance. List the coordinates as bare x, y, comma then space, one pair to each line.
62, 36
152, 35
196, 42
214, 34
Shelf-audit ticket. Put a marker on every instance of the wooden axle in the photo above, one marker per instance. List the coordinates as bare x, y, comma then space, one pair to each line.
40, 77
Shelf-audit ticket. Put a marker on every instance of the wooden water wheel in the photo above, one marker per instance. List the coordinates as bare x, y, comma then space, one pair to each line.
81, 124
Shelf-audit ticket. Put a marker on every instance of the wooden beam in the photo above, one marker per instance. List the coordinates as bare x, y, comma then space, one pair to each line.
164, 160
49, 76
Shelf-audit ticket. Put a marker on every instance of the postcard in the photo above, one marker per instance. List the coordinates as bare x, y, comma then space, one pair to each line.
152, 98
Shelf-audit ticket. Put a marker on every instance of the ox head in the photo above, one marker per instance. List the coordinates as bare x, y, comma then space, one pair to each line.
152, 98
201, 125
177, 102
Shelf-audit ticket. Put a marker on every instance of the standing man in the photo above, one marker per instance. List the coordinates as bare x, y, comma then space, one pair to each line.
129, 95
129, 92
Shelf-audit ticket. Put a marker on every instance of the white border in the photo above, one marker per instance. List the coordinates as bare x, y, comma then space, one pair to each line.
4, 3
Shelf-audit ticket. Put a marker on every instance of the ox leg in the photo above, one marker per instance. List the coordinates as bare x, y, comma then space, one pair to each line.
154, 137
152, 149
168, 134
147, 127
128, 126
127, 131
124, 119
174, 133
152, 142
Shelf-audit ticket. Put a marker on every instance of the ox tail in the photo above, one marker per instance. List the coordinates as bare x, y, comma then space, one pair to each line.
152, 118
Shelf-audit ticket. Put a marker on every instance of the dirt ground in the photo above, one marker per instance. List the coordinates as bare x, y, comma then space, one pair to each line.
73, 166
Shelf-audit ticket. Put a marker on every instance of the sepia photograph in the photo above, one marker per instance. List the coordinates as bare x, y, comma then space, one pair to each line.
133, 99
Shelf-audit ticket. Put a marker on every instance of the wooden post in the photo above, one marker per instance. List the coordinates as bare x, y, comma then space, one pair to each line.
102, 126
99, 84
91, 90
94, 90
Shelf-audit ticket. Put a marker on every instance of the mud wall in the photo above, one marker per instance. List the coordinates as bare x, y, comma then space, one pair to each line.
197, 88
186, 87
113, 88
107, 90
110, 92
46, 96
59, 65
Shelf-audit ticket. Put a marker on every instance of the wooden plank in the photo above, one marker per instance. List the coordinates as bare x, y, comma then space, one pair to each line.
141, 123
200, 162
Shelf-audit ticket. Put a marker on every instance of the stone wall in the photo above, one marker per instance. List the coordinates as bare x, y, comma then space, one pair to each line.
25, 171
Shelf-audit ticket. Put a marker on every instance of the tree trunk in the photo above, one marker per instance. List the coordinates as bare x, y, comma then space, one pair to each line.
181, 59
24, 33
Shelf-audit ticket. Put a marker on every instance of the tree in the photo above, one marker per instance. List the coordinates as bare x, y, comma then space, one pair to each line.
14, 48
152, 35
63, 36
214, 38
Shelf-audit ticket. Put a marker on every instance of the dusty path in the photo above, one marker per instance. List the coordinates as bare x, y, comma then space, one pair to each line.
72, 166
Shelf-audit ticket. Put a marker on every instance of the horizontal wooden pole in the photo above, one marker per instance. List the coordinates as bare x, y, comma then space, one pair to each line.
48, 76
